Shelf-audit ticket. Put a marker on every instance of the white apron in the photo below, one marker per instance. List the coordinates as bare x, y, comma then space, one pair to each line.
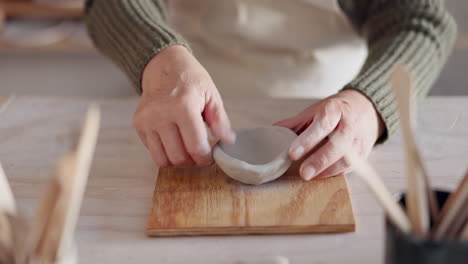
271, 48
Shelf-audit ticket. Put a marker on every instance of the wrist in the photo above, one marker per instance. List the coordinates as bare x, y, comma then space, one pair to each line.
172, 52
162, 65
368, 108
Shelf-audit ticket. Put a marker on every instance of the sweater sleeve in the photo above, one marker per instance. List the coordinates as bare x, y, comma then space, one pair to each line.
417, 33
130, 32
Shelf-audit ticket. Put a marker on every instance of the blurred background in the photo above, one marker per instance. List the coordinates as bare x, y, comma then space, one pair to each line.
44, 50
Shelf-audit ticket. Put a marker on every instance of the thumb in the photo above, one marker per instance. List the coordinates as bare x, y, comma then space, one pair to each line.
299, 122
288, 123
217, 120
296, 123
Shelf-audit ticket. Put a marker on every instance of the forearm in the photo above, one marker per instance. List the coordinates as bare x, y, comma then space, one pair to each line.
416, 33
130, 32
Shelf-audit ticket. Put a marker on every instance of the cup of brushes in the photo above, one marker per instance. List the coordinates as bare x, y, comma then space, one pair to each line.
48, 239
423, 225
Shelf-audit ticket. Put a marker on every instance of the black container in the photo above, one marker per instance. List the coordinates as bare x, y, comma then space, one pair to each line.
403, 248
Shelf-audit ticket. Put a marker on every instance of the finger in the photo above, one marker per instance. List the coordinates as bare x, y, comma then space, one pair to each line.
299, 122
157, 151
297, 125
341, 166
195, 138
218, 121
320, 160
322, 125
174, 146
290, 123
333, 150
143, 138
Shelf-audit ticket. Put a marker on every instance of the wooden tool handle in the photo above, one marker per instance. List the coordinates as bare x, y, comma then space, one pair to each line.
7, 201
5, 101
418, 183
394, 211
6, 238
77, 180
54, 227
464, 234
50, 219
454, 208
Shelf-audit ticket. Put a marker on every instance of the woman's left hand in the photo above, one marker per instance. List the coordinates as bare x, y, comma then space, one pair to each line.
348, 118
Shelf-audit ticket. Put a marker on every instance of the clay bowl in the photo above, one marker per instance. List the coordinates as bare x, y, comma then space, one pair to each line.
259, 155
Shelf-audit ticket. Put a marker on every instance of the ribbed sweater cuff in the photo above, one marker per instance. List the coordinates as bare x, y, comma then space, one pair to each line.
131, 33
421, 42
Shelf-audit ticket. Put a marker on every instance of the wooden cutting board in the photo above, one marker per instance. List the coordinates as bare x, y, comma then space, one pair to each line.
205, 201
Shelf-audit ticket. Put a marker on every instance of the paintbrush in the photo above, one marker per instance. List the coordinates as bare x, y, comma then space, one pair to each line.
454, 213
420, 198
395, 212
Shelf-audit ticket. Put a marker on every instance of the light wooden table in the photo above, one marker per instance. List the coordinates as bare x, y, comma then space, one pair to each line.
34, 132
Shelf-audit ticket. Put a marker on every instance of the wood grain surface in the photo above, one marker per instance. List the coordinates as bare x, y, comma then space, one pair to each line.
205, 201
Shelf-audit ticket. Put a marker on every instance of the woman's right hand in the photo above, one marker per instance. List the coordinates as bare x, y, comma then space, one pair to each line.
178, 98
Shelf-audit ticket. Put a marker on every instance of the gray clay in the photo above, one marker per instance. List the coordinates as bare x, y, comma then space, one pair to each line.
259, 155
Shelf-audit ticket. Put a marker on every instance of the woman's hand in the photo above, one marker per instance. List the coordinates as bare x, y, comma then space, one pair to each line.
333, 126
178, 98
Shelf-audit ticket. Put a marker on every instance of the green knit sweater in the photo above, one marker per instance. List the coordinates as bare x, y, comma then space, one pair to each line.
417, 33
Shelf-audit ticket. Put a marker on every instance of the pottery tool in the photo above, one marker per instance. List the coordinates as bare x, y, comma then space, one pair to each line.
395, 212
464, 233
49, 221
458, 225
454, 213
205, 201
420, 198
5, 101
7, 209
6, 256
7, 201
56, 221
6, 238
84, 157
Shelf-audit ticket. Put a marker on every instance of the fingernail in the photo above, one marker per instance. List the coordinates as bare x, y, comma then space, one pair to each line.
297, 152
206, 149
309, 173
231, 138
